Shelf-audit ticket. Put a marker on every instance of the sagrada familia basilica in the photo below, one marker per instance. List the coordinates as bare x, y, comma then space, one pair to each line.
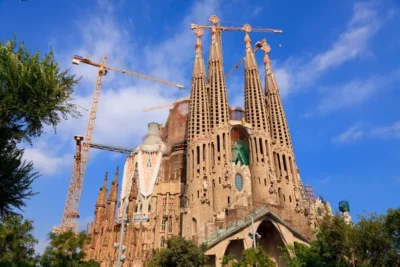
211, 173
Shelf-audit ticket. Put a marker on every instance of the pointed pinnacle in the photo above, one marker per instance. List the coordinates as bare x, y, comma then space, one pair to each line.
116, 175
105, 181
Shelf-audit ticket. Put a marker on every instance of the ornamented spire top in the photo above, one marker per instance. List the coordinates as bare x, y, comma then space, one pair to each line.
250, 60
270, 82
279, 127
215, 51
198, 68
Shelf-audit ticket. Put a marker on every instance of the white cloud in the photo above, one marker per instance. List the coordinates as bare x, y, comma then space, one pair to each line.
257, 11
354, 92
357, 132
391, 131
120, 117
172, 58
353, 133
300, 73
46, 164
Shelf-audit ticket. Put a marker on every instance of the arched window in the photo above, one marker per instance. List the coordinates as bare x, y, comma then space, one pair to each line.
170, 225
164, 220
162, 243
194, 226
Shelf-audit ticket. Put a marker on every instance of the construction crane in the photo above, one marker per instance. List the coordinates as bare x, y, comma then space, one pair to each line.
118, 149
257, 47
70, 214
246, 28
158, 107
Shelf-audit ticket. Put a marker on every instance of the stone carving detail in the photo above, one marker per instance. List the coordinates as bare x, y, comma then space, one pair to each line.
205, 183
204, 199
272, 188
227, 177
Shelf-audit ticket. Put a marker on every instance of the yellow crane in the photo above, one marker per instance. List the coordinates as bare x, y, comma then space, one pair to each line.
71, 214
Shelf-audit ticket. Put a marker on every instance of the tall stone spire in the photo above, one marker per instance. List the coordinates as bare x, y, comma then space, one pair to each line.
255, 108
283, 155
112, 199
100, 213
279, 127
199, 110
257, 115
219, 112
198, 143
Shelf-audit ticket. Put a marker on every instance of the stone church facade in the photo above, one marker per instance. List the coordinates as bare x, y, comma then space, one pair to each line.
208, 172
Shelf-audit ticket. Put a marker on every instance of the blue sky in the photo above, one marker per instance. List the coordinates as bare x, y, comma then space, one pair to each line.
337, 66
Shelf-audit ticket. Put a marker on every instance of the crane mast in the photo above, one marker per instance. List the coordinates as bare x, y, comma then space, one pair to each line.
71, 214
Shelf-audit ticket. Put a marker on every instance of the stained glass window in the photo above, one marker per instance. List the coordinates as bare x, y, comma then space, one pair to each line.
239, 182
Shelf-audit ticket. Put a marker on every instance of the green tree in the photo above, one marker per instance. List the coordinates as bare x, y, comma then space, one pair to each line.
332, 247
372, 241
251, 257
16, 177
392, 226
179, 253
66, 250
34, 92
17, 242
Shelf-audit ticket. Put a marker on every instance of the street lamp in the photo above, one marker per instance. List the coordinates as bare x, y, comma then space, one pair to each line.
253, 235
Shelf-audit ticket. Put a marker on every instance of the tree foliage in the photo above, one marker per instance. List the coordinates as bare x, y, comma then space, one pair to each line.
251, 257
34, 92
179, 253
65, 250
16, 177
17, 242
372, 241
